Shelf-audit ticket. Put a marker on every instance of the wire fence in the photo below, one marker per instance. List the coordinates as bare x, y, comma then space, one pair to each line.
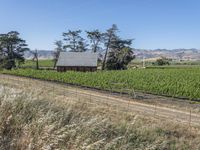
116, 102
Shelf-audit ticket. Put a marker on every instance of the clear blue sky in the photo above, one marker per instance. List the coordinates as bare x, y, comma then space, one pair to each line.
153, 23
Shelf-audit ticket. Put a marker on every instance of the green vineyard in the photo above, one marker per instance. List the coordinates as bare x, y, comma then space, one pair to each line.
170, 82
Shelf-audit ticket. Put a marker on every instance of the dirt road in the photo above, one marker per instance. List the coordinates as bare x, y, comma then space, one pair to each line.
96, 97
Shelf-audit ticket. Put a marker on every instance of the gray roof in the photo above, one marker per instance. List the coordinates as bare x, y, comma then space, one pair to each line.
77, 59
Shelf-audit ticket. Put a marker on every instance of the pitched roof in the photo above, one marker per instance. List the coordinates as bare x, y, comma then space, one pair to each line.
86, 59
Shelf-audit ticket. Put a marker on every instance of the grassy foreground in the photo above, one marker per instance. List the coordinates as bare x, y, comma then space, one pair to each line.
45, 123
171, 82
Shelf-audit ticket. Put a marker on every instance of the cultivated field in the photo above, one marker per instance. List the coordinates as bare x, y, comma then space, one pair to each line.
182, 83
42, 63
44, 115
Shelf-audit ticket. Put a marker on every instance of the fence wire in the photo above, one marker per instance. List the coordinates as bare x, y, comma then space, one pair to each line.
95, 99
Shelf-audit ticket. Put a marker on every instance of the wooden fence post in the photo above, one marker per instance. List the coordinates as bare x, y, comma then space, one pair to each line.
190, 119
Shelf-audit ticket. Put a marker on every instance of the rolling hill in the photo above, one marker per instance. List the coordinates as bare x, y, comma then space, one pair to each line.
175, 54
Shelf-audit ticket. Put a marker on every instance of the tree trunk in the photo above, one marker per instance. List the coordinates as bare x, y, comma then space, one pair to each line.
37, 64
55, 62
104, 60
105, 56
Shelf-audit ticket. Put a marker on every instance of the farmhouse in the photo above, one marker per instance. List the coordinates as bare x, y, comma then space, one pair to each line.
77, 61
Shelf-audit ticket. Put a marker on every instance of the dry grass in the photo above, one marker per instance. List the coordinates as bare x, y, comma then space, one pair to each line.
31, 122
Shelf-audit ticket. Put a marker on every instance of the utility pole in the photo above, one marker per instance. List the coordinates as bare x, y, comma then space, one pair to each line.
143, 61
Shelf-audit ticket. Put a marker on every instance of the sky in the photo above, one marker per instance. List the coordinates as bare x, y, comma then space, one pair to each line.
153, 24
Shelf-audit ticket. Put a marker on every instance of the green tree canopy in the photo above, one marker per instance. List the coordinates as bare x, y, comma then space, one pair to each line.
120, 54
162, 61
109, 37
12, 49
96, 39
74, 42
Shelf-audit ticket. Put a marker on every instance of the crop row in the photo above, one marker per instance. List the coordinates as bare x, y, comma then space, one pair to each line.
171, 82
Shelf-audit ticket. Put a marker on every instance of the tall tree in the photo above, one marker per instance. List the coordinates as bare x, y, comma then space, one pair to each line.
82, 46
109, 37
96, 38
2, 56
120, 54
35, 58
12, 49
74, 42
56, 54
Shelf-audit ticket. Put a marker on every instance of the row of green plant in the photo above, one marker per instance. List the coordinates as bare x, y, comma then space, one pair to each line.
174, 67
171, 82
42, 63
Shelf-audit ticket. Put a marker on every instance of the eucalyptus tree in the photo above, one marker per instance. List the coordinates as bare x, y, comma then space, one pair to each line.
35, 58
96, 38
109, 37
58, 50
74, 42
12, 49
1, 57
82, 46
120, 55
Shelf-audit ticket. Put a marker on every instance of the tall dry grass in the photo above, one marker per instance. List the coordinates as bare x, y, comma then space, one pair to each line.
29, 122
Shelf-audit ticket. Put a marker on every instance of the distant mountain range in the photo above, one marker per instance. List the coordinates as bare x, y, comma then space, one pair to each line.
42, 54
175, 54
